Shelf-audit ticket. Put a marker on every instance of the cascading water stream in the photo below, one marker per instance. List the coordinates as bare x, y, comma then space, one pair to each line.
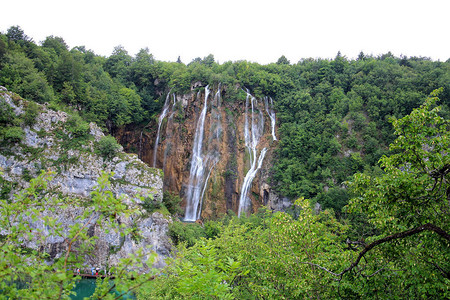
161, 118
197, 171
204, 188
140, 145
251, 142
271, 114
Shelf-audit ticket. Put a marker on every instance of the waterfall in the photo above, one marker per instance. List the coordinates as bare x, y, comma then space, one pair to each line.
252, 134
161, 118
204, 188
216, 125
169, 132
271, 114
197, 171
140, 145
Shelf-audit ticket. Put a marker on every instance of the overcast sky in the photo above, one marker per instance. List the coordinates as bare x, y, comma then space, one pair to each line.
259, 31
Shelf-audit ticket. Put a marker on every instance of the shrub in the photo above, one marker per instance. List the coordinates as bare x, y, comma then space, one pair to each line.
185, 232
77, 126
31, 112
213, 229
6, 187
151, 205
14, 134
108, 147
172, 202
26, 175
6, 113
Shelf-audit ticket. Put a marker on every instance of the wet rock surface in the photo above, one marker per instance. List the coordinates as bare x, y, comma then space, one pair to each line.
224, 138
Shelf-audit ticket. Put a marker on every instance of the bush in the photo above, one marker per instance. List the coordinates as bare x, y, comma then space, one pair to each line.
77, 126
6, 187
6, 113
185, 232
14, 134
213, 229
108, 147
31, 112
172, 203
151, 205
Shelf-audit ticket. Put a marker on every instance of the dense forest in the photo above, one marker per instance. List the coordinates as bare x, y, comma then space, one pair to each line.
366, 138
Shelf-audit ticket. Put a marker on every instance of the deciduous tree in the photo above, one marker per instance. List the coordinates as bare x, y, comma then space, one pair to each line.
409, 205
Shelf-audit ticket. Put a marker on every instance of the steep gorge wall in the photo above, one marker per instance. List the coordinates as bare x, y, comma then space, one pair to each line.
224, 149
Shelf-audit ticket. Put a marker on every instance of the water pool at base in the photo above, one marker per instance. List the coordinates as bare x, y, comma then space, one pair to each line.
85, 287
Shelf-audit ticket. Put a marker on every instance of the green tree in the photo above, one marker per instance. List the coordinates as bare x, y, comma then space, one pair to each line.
172, 202
283, 61
67, 70
108, 147
16, 34
133, 104
19, 75
14, 134
55, 43
118, 63
208, 60
2, 49
264, 256
31, 112
409, 206
196, 273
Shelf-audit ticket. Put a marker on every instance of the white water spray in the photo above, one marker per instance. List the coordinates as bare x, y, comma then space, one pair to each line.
197, 171
251, 142
161, 118
140, 145
271, 113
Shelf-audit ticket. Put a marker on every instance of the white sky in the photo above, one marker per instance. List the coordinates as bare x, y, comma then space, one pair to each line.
259, 31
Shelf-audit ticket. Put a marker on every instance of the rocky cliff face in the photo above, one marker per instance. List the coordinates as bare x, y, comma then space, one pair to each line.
236, 132
48, 144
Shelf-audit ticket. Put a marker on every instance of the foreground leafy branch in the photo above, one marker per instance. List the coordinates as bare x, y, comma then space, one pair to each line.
412, 193
24, 269
400, 235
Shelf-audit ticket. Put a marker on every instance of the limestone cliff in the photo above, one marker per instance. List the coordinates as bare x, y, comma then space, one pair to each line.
226, 155
49, 144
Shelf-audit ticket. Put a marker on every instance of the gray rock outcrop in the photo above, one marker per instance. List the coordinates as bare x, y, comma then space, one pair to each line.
45, 146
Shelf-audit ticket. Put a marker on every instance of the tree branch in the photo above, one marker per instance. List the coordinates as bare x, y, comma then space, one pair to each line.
395, 236
400, 235
323, 268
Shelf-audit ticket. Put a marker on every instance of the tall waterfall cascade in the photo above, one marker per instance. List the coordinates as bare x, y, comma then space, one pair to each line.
161, 118
197, 179
201, 144
253, 130
271, 113
213, 144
